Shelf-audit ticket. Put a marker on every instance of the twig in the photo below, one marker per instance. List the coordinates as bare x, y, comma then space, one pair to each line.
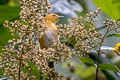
99, 51
20, 61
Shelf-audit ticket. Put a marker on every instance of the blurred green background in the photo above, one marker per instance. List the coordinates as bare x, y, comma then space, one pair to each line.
9, 10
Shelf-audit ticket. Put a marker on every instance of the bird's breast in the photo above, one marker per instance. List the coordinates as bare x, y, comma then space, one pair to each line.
50, 37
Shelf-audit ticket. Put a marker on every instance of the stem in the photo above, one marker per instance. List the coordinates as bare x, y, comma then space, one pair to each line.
20, 61
19, 69
98, 56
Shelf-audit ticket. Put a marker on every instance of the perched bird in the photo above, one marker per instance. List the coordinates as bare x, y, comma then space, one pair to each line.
51, 34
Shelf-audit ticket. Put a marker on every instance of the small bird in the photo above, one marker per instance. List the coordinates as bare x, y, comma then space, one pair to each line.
51, 34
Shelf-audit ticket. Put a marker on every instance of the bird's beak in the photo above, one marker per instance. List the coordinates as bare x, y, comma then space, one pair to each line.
61, 16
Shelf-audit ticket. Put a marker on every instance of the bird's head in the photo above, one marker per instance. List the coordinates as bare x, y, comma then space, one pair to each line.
52, 18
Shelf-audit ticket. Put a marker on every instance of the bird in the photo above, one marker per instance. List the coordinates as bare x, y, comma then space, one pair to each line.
50, 34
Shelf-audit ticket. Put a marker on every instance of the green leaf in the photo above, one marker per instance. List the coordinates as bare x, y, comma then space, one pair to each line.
34, 70
13, 13
3, 1
72, 41
109, 7
5, 34
25, 70
87, 61
111, 35
116, 1
1, 72
88, 72
110, 67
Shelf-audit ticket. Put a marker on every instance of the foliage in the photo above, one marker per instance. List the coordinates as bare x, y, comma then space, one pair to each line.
4, 32
87, 60
111, 35
3, 1
13, 13
34, 70
109, 67
110, 7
